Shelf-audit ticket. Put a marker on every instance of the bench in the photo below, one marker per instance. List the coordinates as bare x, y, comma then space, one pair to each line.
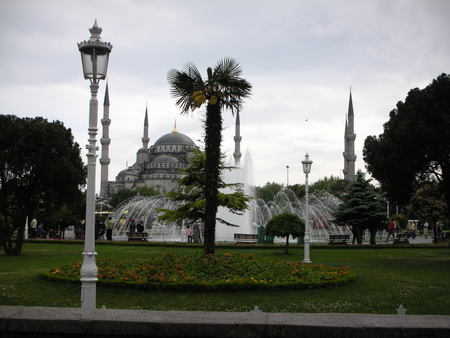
245, 238
401, 237
338, 238
137, 236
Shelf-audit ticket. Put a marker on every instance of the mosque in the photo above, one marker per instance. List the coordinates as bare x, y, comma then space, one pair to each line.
158, 166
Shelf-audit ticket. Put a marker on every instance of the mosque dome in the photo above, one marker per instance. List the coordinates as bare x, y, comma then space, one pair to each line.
164, 159
175, 138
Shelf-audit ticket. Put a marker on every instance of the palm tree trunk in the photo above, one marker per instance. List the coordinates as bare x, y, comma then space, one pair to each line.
213, 139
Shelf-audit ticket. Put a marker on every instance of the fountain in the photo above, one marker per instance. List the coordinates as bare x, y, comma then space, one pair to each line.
322, 206
144, 208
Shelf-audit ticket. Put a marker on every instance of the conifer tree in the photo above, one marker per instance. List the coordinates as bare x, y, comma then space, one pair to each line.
362, 209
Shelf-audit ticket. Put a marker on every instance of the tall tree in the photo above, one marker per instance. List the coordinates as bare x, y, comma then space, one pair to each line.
224, 88
415, 145
362, 208
40, 169
191, 195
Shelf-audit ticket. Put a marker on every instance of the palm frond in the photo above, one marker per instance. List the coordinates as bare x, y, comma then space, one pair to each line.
228, 81
183, 84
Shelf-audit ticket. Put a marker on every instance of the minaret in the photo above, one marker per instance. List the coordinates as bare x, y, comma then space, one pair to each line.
105, 141
237, 141
349, 153
145, 138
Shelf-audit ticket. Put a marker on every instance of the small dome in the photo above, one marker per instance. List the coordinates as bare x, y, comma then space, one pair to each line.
164, 159
175, 138
142, 151
123, 172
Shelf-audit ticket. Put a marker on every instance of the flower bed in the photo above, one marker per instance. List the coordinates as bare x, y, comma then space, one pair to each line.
208, 273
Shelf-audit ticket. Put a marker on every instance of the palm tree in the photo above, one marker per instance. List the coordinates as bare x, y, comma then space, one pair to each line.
223, 89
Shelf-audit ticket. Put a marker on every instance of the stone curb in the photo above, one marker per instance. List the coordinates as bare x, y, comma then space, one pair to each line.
21, 321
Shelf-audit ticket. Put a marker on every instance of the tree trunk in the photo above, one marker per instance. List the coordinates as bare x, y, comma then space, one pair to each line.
213, 139
373, 236
287, 245
359, 235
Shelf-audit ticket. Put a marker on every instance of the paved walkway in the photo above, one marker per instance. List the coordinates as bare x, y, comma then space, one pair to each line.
18, 321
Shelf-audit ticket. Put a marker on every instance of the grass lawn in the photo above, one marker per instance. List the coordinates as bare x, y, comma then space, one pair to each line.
418, 278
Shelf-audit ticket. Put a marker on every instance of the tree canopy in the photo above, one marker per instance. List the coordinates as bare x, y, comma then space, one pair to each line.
285, 225
333, 185
362, 208
191, 196
40, 170
415, 145
268, 191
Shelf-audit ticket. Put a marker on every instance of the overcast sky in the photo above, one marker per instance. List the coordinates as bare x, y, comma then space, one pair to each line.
300, 56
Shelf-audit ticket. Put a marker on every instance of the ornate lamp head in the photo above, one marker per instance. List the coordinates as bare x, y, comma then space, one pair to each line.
95, 55
307, 164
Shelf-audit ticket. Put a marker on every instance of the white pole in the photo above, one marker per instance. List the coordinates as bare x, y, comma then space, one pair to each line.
287, 176
306, 258
89, 269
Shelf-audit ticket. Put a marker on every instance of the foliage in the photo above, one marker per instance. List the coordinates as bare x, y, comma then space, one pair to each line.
124, 194
298, 190
415, 145
40, 171
362, 208
212, 272
223, 89
333, 185
285, 225
268, 191
428, 204
191, 194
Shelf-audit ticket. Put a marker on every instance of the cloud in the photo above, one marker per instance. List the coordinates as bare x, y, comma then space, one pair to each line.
301, 57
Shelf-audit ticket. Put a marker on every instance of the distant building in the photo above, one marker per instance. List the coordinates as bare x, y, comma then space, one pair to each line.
349, 150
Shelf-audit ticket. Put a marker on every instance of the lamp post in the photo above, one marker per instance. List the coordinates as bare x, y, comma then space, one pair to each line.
287, 176
94, 57
307, 169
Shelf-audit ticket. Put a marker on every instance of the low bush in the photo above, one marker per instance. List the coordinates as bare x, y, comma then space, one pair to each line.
209, 273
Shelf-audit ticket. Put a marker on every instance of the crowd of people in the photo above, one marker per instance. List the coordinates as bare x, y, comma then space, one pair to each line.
412, 229
39, 230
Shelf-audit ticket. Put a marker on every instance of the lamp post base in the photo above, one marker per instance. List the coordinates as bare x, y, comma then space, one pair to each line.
306, 258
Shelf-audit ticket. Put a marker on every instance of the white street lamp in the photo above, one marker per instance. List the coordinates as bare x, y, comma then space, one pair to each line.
94, 57
287, 176
307, 169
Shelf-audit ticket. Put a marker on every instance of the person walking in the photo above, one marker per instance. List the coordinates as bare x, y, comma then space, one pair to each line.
109, 228
391, 229
189, 234
425, 230
133, 225
33, 226
196, 232
412, 229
